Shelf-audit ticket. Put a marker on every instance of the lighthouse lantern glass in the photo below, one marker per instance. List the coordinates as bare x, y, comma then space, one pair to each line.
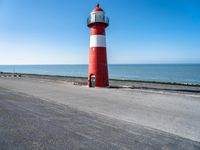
97, 16
93, 17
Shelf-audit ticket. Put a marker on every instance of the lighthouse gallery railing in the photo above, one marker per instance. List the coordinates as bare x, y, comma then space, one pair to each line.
91, 20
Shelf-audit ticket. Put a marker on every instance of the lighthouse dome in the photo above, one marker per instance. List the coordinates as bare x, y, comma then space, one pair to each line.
97, 8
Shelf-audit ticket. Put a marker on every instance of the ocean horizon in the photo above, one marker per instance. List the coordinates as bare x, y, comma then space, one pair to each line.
175, 73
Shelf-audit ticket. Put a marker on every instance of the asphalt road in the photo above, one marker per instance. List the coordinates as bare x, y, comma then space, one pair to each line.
28, 122
175, 113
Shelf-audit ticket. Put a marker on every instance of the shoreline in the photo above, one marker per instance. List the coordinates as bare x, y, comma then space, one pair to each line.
116, 83
110, 79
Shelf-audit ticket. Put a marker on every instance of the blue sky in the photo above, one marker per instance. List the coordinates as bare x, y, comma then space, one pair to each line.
140, 31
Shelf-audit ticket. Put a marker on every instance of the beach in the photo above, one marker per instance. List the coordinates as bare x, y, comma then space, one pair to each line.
62, 112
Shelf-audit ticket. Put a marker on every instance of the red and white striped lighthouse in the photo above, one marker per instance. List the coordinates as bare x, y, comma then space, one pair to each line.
98, 68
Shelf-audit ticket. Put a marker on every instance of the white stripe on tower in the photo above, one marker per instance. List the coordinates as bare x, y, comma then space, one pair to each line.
97, 41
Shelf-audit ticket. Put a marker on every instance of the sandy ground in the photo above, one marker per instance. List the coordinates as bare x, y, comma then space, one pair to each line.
176, 113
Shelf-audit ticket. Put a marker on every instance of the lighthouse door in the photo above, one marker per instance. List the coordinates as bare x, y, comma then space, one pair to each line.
92, 81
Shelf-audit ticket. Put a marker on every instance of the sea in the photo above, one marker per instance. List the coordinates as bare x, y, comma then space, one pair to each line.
174, 73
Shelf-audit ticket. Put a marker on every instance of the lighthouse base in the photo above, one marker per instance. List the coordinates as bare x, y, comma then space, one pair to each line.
98, 68
92, 83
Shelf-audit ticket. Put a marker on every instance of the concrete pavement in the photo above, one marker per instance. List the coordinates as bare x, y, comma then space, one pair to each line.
27, 122
173, 113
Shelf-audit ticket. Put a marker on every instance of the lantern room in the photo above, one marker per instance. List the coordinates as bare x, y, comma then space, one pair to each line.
97, 16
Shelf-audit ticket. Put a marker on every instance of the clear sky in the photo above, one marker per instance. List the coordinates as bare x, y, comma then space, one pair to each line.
140, 31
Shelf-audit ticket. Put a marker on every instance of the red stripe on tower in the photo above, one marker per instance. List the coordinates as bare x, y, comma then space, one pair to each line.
98, 68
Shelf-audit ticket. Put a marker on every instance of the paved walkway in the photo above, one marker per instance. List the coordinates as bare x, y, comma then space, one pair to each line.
27, 122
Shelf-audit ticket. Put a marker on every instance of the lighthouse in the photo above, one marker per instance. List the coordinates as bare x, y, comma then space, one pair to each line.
98, 68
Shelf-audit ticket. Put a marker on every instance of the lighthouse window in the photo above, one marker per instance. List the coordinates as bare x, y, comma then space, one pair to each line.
93, 17
99, 17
